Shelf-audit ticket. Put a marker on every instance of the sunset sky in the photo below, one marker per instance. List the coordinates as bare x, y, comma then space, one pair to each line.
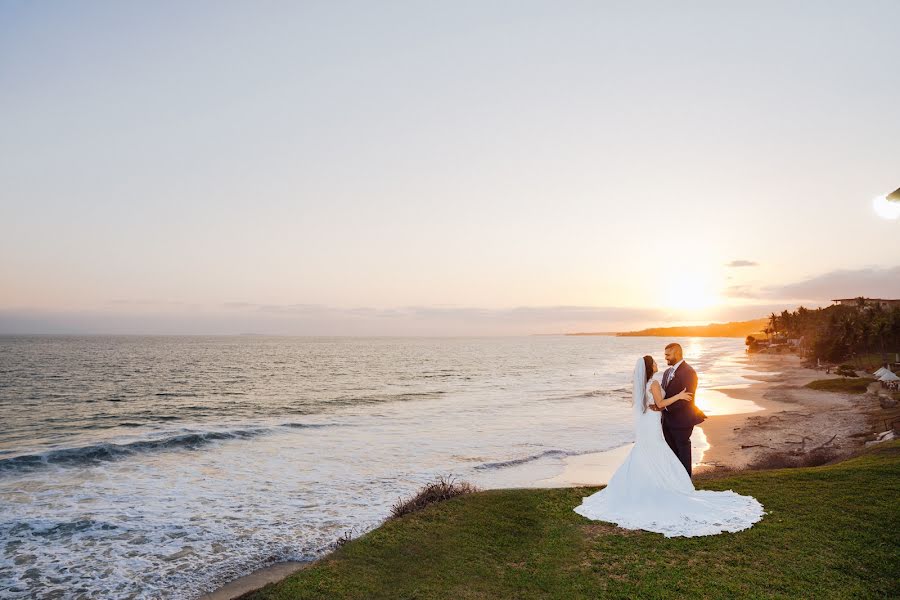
395, 168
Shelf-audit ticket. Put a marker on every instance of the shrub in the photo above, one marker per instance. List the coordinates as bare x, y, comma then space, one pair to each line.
344, 538
850, 386
442, 489
846, 371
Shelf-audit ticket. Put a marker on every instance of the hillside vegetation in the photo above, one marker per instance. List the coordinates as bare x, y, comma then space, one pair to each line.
738, 329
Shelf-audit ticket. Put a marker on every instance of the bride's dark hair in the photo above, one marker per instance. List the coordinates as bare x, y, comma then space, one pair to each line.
648, 367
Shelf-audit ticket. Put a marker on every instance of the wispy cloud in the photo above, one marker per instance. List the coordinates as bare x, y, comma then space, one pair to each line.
742, 263
171, 317
322, 320
519, 314
741, 291
872, 282
144, 302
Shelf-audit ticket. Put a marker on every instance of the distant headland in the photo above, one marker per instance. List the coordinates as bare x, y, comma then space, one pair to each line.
735, 329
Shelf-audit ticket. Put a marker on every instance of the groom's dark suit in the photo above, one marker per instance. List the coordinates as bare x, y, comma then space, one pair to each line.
678, 419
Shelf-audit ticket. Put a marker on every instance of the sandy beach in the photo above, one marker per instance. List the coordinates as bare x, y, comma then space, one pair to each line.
254, 581
794, 418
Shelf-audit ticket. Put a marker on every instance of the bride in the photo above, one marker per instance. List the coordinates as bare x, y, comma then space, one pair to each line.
652, 491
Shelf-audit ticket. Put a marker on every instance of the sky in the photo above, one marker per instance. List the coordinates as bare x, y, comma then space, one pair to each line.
456, 168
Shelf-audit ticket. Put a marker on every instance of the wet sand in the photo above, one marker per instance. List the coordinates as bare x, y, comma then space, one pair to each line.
254, 581
589, 469
794, 419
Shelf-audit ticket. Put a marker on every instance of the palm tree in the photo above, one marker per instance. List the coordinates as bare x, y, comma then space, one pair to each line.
882, 326
786, 322
895, 328
863, 331
848, 333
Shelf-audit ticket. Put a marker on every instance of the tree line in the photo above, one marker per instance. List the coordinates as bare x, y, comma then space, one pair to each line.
840, 331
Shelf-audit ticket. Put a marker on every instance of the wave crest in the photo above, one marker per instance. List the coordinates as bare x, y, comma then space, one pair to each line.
106, 451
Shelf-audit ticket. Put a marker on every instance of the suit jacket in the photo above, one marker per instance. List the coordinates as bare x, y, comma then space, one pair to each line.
682, 413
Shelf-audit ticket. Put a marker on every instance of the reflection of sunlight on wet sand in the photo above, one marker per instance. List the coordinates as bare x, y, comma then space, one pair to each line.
715, 402
699, 445
589, 469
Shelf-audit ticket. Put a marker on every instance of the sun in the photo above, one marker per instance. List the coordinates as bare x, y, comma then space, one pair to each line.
690, 293
886, 209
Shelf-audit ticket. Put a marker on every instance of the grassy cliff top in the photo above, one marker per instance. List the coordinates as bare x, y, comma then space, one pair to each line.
829, 532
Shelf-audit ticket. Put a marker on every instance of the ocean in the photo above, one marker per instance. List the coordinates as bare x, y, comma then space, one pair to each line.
164, 467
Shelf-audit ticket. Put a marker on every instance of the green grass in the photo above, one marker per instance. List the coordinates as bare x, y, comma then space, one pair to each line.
845, 384
829, 532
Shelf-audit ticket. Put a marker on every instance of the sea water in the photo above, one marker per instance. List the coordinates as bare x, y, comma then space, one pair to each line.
163, 467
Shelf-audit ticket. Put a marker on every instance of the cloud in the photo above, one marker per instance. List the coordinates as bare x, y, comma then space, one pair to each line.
742, 263
235, 317
232, 318
872, 282
144, 302
239, 305
323, 320
457, 314
741, 291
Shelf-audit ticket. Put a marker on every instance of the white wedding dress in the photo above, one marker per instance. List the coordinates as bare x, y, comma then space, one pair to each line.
652, 491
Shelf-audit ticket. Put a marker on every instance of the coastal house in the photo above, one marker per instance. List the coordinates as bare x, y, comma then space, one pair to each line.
860, 302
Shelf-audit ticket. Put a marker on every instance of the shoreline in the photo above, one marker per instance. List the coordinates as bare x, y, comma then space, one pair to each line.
794, 419
254, 580
775, 414
777, 392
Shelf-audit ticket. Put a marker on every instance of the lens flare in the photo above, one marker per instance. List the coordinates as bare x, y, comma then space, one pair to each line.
885, 208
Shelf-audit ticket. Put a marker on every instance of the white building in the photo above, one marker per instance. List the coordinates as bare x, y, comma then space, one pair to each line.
885, 303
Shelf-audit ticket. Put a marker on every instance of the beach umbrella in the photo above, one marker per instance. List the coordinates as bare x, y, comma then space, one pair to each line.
881, 371
889, 376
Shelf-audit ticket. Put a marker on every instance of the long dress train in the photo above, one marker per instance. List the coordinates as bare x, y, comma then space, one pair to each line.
652, 491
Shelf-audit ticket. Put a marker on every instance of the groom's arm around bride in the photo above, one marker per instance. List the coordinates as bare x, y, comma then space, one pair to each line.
685, 379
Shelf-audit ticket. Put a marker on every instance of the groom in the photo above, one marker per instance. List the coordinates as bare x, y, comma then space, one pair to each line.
679, 418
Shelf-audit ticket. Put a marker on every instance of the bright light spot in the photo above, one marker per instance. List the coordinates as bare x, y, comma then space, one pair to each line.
886, 209
689, 292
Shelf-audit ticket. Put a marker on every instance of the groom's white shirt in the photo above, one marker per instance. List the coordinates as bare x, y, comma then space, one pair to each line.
671, 375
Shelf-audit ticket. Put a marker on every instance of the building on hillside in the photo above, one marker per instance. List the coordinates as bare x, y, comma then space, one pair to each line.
885, 303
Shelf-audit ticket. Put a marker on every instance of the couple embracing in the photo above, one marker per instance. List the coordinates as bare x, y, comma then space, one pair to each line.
652, 489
